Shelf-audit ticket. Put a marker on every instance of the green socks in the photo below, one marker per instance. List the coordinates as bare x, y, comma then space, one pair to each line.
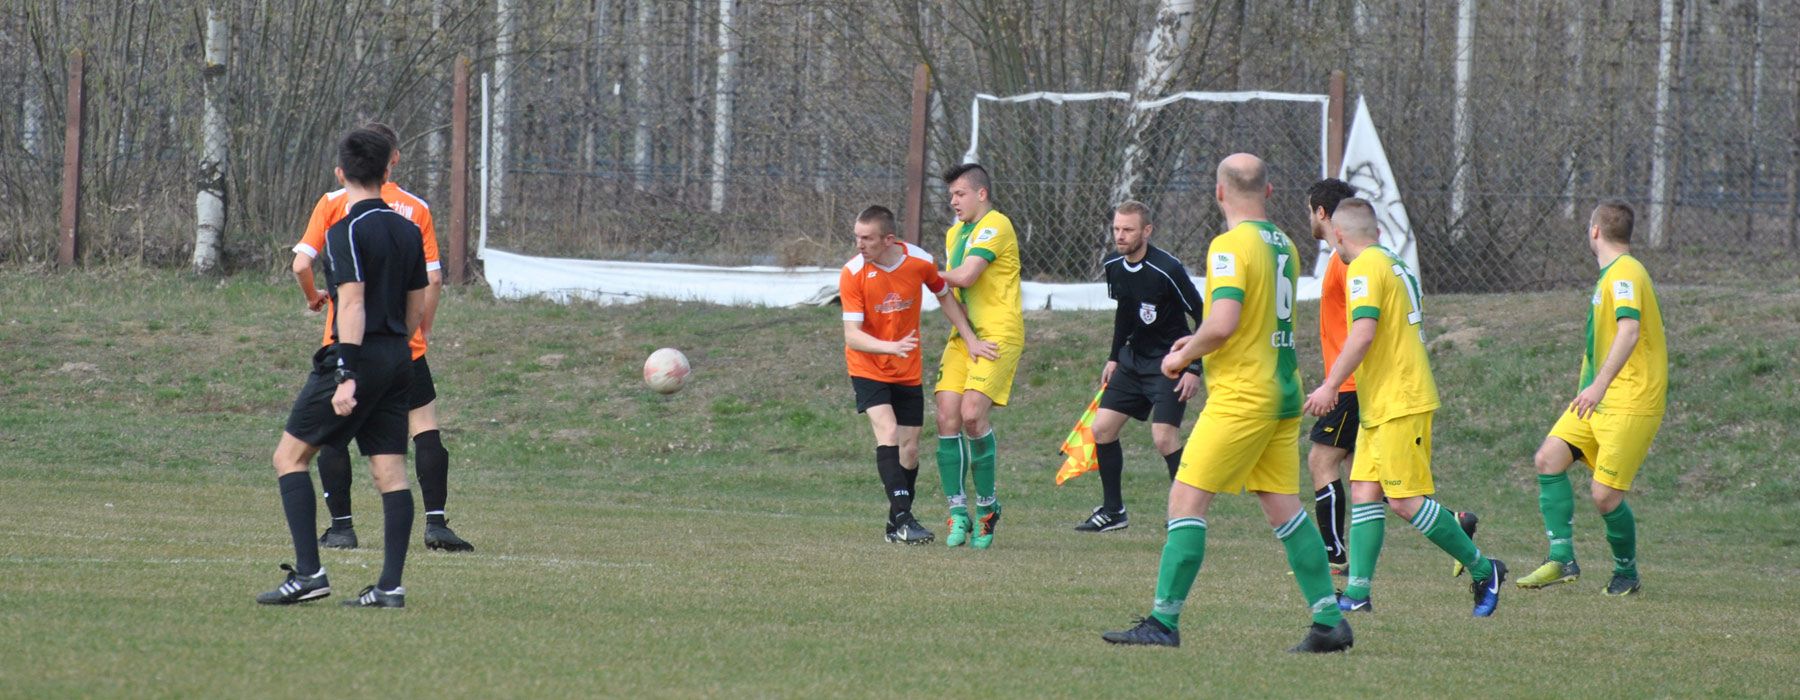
981, 462
1439, 526
1306, 557
1181, 558
953, 465
1556, 500
1368, 526
1621, 533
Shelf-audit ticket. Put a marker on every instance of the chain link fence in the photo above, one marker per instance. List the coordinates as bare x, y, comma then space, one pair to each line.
613, 122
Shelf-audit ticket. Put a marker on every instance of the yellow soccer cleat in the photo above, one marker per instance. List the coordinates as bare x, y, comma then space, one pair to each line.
1551, 573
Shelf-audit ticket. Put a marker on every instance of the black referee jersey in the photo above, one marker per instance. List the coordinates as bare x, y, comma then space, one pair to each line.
1156, 297
378, 247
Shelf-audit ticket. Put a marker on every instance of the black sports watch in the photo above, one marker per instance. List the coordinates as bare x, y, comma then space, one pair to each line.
343, 375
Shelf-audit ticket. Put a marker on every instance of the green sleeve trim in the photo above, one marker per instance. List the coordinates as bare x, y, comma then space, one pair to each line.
1365, 312
982, 253
1627, 312
1232, 293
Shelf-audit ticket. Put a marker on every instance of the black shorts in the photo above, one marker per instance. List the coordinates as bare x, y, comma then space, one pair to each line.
1338, 428
908, 401
383, 383
424, 391
1139, 389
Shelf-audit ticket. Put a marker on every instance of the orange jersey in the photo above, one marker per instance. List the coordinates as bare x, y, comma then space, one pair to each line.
1333, 326
332, 206
886, 302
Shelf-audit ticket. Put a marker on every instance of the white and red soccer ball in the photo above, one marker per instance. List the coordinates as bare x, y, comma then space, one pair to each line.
666, 371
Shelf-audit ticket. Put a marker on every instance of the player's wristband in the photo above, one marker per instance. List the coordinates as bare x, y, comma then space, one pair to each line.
349, 356
1193, 369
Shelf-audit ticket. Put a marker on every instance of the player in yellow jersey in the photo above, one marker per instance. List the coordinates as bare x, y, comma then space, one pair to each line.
981, 261
1611, 422
1396, 397
1247, 437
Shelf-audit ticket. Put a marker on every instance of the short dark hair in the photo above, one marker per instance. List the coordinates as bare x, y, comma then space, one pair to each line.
364, 154
1325, 194
1614, 219
978, 176
385, 131
1132, 206
879, 215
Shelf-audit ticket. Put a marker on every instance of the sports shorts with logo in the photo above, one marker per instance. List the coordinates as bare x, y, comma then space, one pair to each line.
1396, 453
991, 377
1339, 427
1613, 444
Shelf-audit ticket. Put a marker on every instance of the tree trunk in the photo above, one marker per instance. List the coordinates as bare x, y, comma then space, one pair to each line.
1752, 139
723, 89
640, 96
209, 204
31, 136
506, 19
1572, 159
1163, 51
434, 140
1659, 131
1460, 125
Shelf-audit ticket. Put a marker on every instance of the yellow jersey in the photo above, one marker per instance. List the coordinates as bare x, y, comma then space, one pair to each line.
1625, 291
1394, 379
994, 302
1254, 374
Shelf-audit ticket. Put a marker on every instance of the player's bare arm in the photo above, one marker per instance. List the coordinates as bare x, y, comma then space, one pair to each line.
1622, 345
303, 273
350, 319
1212, 334
968, 273
860, 341
434, 290
1356, 346
959, 318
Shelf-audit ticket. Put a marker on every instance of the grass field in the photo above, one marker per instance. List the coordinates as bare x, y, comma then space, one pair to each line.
726, 541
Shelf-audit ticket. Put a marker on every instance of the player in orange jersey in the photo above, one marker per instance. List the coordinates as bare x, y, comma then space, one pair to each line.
433, 461
879, 289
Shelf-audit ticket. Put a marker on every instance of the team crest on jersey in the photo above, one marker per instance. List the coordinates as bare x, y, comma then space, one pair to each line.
1224, 264
1359, 287
1622, 291
985, 235
1147, 311
892, 303
871, 274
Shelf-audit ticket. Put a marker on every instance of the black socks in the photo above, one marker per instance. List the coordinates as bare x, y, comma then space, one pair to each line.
1173, 459
894, 480
1328, 507
334, 478
433, 465
397, 510
1112, 471
301, 510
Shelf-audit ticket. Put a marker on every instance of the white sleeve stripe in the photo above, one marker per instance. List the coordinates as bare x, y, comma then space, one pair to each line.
306, 250
853, 316
1178, 292
943, 292
919, 253
433, 266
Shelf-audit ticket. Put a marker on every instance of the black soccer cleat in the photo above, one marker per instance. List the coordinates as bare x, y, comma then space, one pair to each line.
297, 588
372, 597
1148, 632
442, 537
909, 531
1326, 640
338, 537
1104, 520
1623, 585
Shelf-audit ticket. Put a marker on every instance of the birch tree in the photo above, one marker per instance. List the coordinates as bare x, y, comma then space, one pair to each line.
1459, 120
723, 87
506, 19
209, 204
1163, 51
640, 97
1659, 130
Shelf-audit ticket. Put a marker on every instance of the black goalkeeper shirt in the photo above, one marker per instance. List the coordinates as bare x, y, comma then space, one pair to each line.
1156, 298
383, 250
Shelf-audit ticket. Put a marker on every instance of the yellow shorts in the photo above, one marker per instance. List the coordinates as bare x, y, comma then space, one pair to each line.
993, 378
1613, 445
1397, 454
1229, 454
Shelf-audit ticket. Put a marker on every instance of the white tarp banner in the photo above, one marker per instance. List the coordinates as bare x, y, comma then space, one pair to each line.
514, 276
1366, 168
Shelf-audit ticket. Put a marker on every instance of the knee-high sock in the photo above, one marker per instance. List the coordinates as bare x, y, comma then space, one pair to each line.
1112, 468
912, 477
1439, 526
433, 465
1556, 500
1328, 504
1181, 558
1368, 527
1306, 558
334, 480
893, 481
397, 510
1173, 461
1621, 533
953, 468
301, 510
981, 465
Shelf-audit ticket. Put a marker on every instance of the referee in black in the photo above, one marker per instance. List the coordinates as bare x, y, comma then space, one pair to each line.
1156, 298
375, 272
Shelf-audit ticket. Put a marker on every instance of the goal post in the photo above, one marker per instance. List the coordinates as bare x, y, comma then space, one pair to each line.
1061, 160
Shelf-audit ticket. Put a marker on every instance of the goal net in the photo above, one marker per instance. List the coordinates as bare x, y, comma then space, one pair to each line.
1061, 161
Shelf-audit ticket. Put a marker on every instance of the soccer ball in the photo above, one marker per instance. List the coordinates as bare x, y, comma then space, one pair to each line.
666, 371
